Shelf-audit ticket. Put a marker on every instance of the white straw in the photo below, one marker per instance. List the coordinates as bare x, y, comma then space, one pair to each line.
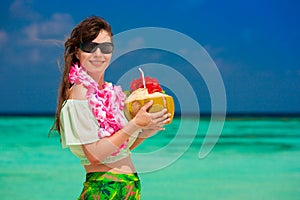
142, 73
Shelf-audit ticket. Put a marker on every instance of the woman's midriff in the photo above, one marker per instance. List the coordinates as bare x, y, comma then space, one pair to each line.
124, 166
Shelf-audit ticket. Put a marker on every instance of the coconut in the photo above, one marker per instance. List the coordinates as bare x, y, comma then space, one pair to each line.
139, 97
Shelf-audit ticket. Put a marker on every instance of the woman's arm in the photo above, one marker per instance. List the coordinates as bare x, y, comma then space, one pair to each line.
96, 152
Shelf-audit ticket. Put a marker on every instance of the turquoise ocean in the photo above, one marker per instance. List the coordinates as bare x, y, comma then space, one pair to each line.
254, 158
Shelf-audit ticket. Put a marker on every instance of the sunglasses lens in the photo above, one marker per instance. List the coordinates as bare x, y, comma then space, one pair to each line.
88, 47
106, 48
91, 47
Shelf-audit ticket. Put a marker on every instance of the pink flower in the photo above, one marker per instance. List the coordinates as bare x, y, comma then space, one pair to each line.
106, 104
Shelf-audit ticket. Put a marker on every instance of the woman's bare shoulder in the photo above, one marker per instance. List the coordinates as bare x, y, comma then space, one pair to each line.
78, 92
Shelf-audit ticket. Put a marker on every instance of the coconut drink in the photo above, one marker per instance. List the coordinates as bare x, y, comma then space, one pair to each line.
143, 90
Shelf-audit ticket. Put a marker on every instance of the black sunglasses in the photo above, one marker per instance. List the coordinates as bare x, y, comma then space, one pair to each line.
91, 47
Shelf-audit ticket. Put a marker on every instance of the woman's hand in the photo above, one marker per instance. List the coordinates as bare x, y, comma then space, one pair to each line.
147, 121
153, 121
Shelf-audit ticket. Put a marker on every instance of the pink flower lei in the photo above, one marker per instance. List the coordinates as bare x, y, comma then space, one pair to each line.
106, 103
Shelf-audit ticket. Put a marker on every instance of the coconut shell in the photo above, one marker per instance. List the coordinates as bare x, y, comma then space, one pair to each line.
140, 97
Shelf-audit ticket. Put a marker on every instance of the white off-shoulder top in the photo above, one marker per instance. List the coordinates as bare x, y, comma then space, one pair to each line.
79, 126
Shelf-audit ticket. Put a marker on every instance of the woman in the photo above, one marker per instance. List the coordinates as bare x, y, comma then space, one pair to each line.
102, 141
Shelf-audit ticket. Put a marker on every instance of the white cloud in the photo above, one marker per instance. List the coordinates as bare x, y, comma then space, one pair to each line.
39, 31
34, 56
59, 23
50, 32
21, 9
31, 31
35, 37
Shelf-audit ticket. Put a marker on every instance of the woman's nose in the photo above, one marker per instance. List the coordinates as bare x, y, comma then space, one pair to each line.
98, 52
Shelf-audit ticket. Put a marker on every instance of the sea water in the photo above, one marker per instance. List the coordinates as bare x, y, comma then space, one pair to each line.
254, 158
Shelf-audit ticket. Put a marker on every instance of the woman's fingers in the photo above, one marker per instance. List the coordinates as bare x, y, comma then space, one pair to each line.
152, 120
159, 122
147, 105
160, 116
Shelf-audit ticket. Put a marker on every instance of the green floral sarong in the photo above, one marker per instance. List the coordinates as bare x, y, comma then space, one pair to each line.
109, 186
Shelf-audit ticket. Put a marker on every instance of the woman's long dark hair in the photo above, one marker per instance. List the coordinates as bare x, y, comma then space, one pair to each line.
85, 31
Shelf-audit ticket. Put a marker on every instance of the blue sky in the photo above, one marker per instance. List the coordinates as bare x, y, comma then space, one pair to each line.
255, 45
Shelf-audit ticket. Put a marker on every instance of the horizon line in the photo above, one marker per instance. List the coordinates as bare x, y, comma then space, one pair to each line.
205, 114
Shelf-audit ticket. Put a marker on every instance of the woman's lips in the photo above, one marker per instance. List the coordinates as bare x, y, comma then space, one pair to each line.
97, 62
